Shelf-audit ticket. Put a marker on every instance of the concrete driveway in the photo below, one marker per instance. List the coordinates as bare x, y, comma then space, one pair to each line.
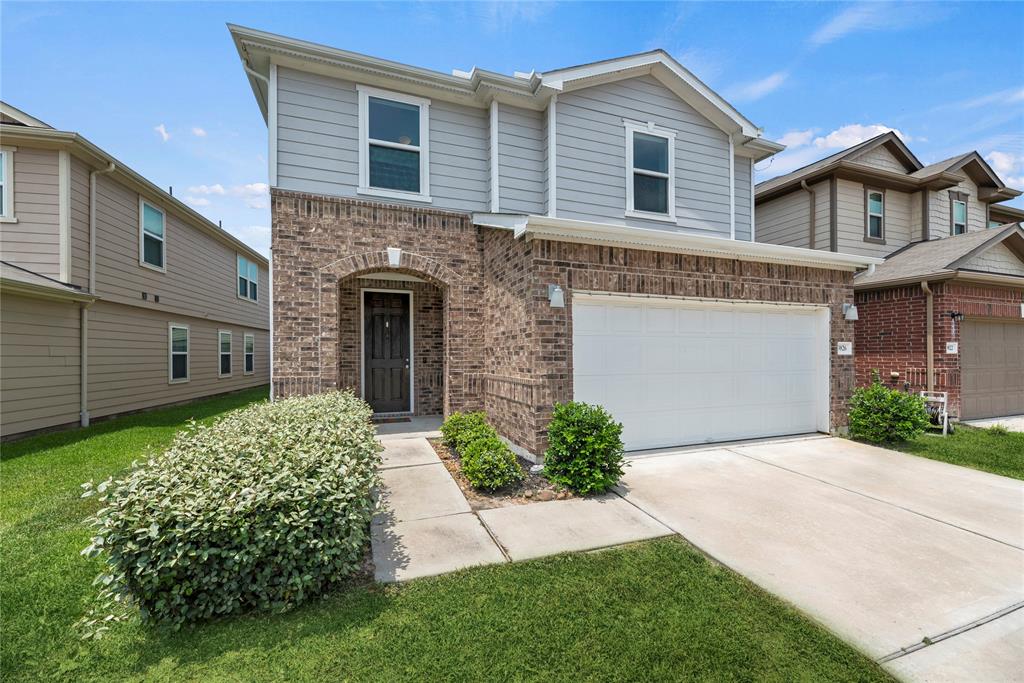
889, 550
1014, 423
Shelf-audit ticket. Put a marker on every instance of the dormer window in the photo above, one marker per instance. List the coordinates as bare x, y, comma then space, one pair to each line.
957, 213
650, 172
393, 145
874, 215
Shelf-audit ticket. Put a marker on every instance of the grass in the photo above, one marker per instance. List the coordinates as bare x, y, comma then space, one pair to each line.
652, 611
990, 450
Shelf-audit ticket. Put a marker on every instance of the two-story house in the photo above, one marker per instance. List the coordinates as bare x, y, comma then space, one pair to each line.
945, 311
476, 240
114, 296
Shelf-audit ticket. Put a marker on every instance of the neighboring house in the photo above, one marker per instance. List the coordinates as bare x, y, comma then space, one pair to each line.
481, 241
114, 296
945, 312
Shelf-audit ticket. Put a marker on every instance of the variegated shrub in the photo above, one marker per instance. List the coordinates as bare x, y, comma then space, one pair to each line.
263, 509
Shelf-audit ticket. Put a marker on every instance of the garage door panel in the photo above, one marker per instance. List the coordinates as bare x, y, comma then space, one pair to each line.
992, 368
692, 372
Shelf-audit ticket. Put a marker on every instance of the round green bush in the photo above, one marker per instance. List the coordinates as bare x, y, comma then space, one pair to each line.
879, 414
585, 451
461, 429
489, 464
265, 508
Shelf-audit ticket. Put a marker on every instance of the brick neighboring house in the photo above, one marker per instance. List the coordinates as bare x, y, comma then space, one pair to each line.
950, 248
481, 241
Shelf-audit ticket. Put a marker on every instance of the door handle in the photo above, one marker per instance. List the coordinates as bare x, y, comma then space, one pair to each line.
406, 363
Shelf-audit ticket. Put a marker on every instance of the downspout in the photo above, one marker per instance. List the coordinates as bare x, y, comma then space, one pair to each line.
812, 199
930, 334
83, 324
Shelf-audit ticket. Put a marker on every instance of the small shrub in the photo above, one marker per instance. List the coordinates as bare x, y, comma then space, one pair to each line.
998, 430
489, 464
879, 414
265, 508
461, 429
585, 451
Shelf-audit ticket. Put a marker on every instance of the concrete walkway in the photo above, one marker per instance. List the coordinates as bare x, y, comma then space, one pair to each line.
427, 528
1013, 423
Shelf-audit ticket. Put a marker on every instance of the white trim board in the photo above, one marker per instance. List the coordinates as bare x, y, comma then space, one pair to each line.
412, 346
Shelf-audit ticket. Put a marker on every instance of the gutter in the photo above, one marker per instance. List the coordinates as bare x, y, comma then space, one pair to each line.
930, 334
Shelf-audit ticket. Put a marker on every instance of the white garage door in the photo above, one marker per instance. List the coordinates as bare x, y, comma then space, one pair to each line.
678, 372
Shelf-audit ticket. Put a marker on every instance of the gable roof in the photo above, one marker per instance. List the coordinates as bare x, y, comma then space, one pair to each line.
942, 259
478, 87
27, 282
990, 186
14, 116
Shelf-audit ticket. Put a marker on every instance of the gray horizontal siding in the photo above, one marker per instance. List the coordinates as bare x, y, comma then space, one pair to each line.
522, 155
742, 188
33, 242
591, 156
318, 143
785, 220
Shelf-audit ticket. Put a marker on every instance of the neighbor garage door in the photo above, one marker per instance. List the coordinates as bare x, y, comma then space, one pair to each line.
680, 372
992, 364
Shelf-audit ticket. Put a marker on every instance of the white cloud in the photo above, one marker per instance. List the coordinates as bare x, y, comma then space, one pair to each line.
877, 16
196, 201
198, 132
253, 195
256, 236
797, 138
755, 90
162, 130
251, 189
853, 134
1008, 166
207, 189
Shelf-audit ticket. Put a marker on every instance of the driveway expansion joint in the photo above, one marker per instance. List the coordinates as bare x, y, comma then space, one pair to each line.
928, 641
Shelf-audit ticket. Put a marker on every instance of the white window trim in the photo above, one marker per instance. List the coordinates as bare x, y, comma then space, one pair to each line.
952, 218
670, 135
247, 280
142, 242
230, 353
365, 93
171, 353
245, 342
7, 210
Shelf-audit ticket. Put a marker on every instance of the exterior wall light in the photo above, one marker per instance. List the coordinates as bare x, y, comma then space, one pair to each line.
850, 312
556, 296
394, 256
956, 316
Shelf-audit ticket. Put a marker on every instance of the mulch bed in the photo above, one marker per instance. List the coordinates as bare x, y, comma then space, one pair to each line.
533, 488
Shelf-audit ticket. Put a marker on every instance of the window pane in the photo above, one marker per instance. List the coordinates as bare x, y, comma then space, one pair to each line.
254, 272
394, 121
875, 203
153, 251
875, 226
252, 291
152, 220
3, 162
179, 366
243, 286
225, 343
650, 153
394, 169
225, 364
3, 207
242, 266
650, 194
960, 212
179, 339
249, 344
248, 362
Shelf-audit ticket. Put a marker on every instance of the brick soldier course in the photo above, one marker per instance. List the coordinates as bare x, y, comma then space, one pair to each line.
490, 339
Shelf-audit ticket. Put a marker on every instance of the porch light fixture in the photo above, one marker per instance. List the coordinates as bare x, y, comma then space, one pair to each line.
956, 316
394, 256
850, 312
556, 296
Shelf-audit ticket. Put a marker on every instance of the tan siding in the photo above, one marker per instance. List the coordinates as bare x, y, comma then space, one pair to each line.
201, 272
34, 241
998, 259
39, 364
850, 221
915, 216
939, 214
128, 350
79, 223
785, 220
880, 157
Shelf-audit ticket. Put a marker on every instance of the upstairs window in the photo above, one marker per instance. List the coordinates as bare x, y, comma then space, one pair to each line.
958, 216
874, 211
250, 354
248, 279
993, 224
152, 222
224, 352
177, 356
650, 172
393, 149
6, 184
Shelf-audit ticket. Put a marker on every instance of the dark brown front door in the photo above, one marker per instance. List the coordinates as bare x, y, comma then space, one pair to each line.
386, 351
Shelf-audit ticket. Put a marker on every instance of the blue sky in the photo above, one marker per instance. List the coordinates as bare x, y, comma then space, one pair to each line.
159, 85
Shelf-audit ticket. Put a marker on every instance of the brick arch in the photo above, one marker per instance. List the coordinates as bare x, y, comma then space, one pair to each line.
377, 261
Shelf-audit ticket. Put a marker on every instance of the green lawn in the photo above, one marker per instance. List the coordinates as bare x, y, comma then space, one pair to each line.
652, 611
982, 449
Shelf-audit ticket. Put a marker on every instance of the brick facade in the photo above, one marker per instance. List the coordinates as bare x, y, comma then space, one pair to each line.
499, 344
892, 332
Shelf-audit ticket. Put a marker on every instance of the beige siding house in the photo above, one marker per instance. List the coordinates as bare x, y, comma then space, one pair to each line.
114, 296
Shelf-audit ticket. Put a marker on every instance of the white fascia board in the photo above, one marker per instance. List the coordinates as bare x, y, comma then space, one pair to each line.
569, 230
505, 221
